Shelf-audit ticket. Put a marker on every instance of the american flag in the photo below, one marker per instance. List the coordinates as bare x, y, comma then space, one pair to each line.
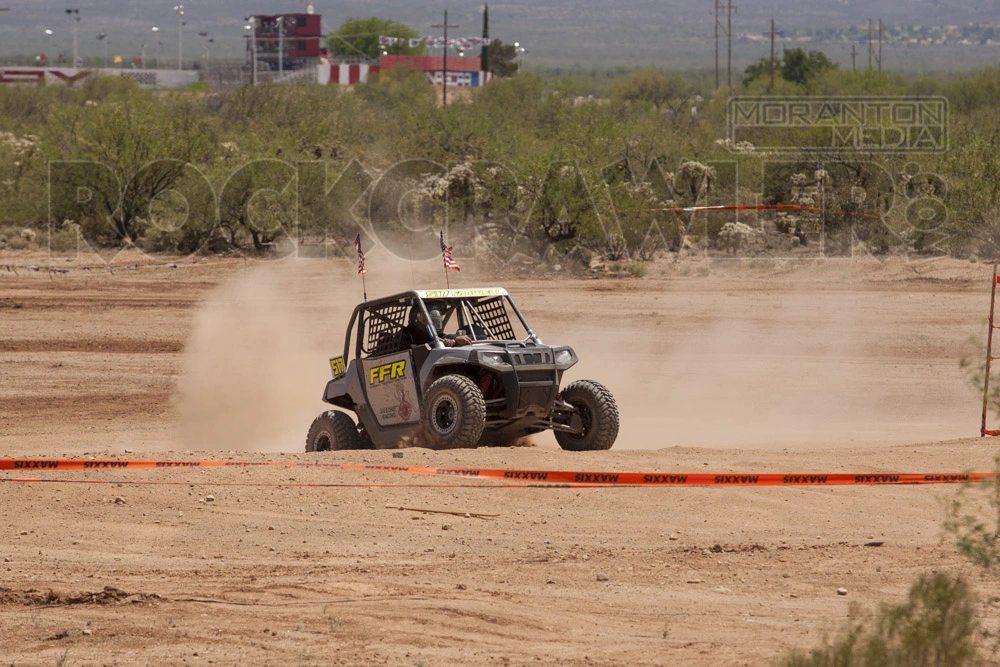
449, 261
361, 255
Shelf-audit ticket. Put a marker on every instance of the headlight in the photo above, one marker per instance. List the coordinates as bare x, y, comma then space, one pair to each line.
565, 358
494, 359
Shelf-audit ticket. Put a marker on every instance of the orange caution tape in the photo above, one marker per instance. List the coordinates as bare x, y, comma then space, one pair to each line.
529, 477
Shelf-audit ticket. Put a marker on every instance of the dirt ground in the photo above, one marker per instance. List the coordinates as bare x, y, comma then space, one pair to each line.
723, 366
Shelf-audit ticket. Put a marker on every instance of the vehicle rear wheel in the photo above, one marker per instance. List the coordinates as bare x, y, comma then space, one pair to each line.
332, 430
454, 412
596, 414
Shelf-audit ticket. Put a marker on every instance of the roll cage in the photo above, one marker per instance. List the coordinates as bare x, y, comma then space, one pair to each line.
482, 314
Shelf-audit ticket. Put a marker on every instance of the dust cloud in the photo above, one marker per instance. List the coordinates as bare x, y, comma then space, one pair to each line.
257, 362
777, 369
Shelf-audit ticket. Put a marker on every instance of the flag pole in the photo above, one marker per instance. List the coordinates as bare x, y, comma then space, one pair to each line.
448, 260
989, 354
361, 265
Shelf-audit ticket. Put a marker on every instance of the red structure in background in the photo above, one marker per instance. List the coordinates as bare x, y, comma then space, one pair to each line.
462, 71
430, 63
299, 35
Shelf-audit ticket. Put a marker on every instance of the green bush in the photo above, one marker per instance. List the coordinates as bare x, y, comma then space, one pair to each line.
935, 626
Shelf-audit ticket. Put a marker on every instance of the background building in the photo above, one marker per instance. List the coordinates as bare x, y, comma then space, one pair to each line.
299, 36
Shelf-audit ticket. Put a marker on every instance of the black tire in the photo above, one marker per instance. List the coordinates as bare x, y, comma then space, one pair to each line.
454, 412
598, 413
332, 430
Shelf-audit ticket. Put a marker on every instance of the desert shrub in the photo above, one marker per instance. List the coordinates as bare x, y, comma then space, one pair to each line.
973, 520
734, 237
936, 625
633, 269
64, 238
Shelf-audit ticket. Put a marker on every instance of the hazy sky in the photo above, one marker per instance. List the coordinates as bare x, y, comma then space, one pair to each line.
555, 32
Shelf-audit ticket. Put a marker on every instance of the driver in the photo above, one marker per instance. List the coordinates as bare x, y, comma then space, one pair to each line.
421, 332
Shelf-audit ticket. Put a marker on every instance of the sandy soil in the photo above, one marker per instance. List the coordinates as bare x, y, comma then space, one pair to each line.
722, 366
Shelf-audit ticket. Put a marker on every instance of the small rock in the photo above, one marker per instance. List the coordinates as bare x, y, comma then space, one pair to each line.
88, 631
602, 577
24, 532
722, 589
445, 526
841, 591
209, 499
673, 537
460, 587
119, 500
695, 581
793, 595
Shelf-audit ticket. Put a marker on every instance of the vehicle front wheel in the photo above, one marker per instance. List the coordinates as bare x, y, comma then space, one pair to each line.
596, 415
332, 430
454, 412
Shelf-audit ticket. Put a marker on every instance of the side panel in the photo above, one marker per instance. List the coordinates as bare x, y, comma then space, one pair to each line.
391, 389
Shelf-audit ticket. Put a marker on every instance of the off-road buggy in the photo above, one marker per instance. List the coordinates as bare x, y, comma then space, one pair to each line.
502, 386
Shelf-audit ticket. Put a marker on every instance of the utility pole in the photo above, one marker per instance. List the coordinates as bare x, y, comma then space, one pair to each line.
716, 44
728, 30
770, 88
205, 43
252, 27
870, 46
75, 15
484, 51
281, 47
444, 63
729, 44
880, 46
180, 36
103, 39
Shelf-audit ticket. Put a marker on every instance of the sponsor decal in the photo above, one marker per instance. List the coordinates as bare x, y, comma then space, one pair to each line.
405, 408
735, 479
390, 371
876, 479
461, 293
525, 474
664, 479
804, 479
595, 478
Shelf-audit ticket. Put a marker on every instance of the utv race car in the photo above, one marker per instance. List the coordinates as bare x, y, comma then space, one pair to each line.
488, 382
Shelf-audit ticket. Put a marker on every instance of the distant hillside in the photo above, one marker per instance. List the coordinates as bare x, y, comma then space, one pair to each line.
583, 33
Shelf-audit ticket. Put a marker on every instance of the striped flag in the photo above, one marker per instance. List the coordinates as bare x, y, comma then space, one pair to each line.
449, 261
361, 255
